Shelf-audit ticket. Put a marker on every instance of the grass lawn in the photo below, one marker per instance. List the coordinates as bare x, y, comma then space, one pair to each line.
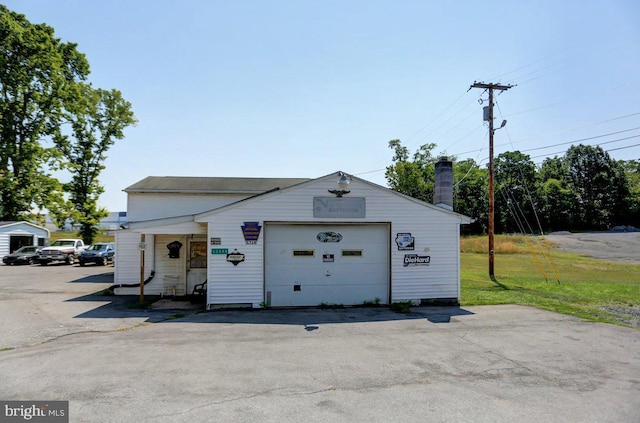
101, 237
597, 290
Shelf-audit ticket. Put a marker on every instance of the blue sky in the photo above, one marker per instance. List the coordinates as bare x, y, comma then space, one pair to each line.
305, 88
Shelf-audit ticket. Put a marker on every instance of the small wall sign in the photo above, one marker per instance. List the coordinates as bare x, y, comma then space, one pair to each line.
219, 251
235, 257
329, 237
251, 232
216, 241
174, 249
416, 260
328, 258
405, 241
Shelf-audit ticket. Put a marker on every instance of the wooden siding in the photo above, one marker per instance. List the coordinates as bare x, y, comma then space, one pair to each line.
435, 230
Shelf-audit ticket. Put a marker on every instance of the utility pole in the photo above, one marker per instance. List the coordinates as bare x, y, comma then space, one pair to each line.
490, 88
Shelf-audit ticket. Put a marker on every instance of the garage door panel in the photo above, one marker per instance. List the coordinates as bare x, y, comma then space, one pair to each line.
315, 295
351, 268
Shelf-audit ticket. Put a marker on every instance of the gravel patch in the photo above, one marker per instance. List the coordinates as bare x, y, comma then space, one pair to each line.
627, 315
614, 246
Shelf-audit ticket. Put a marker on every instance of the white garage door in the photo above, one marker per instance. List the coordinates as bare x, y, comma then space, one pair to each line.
308, 265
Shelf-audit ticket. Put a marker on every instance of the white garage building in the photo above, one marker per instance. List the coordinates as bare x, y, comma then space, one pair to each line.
287, 242
16, 234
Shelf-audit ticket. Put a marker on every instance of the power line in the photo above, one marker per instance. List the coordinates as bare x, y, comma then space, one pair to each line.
595, 145
426, 126
590, 138
477, 163
434, 119
622, 148
558, 132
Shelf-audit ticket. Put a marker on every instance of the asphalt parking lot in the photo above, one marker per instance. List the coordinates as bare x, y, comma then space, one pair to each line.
61, 341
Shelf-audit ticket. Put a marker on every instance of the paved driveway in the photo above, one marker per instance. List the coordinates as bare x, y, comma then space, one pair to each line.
477, 364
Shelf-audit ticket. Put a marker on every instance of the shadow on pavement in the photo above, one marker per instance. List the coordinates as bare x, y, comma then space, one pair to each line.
106, 277
125, 306
311, 317
115, 307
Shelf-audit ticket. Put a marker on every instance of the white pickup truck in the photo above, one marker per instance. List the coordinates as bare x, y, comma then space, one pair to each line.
66, 250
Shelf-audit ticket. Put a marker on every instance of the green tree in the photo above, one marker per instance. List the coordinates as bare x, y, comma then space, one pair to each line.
632, 172
37, 72
555, 196
412, 177
600, 187
515, 181
555, 205
98, 117
471, 194
553, 168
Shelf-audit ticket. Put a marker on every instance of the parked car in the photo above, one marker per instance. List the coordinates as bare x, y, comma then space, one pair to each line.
23, 255
61, 250
98, 253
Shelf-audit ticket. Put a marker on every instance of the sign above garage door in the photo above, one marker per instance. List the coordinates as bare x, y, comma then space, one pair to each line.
343, 207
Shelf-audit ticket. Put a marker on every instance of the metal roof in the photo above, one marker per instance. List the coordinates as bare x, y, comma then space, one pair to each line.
7, 223
219, 185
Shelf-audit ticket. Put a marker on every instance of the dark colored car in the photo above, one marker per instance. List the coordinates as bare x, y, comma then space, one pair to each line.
23, 255
99, 253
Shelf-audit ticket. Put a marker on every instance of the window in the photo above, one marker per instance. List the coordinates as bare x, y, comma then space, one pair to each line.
198, 255
351, 253
304, 253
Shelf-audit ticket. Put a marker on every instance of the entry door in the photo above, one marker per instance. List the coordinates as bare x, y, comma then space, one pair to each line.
310, 265
17, 241
197, 264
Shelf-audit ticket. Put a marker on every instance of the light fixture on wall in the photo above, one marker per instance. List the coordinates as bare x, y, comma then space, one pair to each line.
343, 184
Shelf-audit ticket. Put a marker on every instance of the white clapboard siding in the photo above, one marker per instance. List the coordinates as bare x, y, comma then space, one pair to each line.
434, 229
127, 261
146, 206
4, 244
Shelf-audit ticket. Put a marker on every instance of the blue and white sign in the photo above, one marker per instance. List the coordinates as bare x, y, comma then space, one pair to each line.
405, 242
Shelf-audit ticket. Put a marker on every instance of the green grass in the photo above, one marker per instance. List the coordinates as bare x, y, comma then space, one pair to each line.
592, 289
102, 237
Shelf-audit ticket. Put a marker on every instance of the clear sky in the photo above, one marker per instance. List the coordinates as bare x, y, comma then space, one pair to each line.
305, 88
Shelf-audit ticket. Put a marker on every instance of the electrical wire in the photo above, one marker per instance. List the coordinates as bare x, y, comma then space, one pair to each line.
587, 139
560, 132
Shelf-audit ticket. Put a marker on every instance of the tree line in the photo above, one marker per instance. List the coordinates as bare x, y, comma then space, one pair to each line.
583, 190
52, 119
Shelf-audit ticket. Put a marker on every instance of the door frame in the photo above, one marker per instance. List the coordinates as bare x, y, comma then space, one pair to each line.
203, 257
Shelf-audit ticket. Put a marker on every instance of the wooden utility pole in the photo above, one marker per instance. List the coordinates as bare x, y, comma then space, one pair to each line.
490, 88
